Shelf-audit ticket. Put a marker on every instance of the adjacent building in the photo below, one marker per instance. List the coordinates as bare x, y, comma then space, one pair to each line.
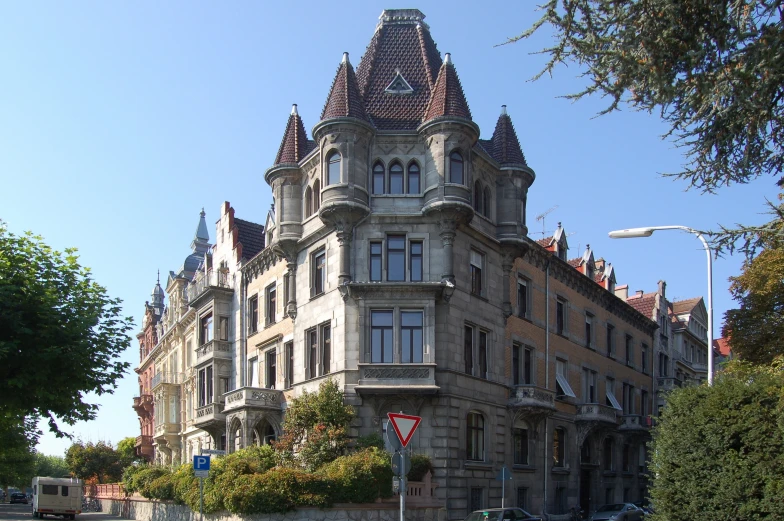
396, 261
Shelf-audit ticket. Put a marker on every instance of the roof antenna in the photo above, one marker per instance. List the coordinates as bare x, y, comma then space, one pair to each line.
542, 215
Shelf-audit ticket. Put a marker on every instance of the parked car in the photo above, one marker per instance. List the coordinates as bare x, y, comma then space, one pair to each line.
618, 512
502, 514
18, 497
646, 508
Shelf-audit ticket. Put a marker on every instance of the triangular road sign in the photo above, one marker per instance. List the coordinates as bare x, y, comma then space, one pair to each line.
404, 425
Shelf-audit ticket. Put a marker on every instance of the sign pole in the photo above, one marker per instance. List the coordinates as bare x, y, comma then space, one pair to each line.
503, 488
403, 487
201, 499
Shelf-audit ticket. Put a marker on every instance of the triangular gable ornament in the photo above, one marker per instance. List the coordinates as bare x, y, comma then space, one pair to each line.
399, 85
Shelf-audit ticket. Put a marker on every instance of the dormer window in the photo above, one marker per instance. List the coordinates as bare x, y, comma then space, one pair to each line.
399, 85
456, 168
333, 168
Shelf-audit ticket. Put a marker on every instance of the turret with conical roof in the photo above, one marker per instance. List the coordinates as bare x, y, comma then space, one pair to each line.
158, 296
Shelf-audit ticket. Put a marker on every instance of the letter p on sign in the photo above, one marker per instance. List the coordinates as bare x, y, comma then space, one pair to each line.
201, 466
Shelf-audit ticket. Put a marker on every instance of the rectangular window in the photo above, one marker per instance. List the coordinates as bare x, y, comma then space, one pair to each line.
588, 330
209, 384
475, 437
206, 329
560, 500
415, 249
269, 358
644, 403
289, 350
589, 386
272, 304
326, 349
482, 354
412, 337
609, 392
559, 447
468, 349
520, 446
628, 399
64, 491
375, 261
224, 385
644, 358
475, 499
396, 258
253, 372
528, 368
381, 333
311, 343
202, 388
629, 350
318, 272
610, 340
477, 267
522, 297
609, 495
522, 498
253, 314
49, 490
562, 386
560, 316
223, 328
516, 354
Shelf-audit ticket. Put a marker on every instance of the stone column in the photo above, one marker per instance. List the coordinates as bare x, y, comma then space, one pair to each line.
448, 228
291, 298
344, 233
507, 263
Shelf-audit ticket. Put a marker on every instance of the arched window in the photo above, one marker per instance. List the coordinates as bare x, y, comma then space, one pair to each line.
477, 197
456, 168
396, 178
316, 196
413, 178
378, 178
559, 447
475, 437
308, 202
333, 168
486, 202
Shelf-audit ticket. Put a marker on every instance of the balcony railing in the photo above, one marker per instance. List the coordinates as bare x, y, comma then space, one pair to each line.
253, 397
668, 383
530, 396
162, 429
206, 281
166, 378
142, 403
596, 412
143, 440
397, 378
212, 413
635, 422
216, 348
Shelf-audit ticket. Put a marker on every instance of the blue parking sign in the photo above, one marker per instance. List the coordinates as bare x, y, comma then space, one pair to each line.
201, 466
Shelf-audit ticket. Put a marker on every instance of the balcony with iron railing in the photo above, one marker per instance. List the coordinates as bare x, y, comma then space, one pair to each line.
595, 412
166, 378
206, 284
531, 397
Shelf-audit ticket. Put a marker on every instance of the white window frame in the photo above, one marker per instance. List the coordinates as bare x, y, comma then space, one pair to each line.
561, 379
609, 392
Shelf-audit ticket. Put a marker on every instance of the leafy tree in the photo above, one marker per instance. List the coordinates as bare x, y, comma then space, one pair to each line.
94, 461
718, 451
315, 428
17, 456
714, 70
60, 334
52, 466
126, 449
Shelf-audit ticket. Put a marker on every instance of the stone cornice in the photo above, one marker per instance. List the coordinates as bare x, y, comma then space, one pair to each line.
258, 265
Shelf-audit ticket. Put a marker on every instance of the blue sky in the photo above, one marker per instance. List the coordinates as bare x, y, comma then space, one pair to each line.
120, 121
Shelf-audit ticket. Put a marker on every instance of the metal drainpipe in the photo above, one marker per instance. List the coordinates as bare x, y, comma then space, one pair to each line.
547, 374
243, 336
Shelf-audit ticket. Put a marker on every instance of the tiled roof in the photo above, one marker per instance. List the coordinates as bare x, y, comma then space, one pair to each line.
344, 100
402, 42
447, 98
643, 303
506, 146
575, 262
685, 306
545, 242
294, 145
251, 235
722, 345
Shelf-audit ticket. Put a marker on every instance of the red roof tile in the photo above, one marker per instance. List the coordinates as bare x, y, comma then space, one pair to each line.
294, 145
545, 242
722, 345
575, 262
643, 303
401, 43
685, 306
506, 146
344, 100
447, 99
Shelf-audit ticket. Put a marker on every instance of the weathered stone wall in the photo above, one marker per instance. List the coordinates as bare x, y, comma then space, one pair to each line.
144, 510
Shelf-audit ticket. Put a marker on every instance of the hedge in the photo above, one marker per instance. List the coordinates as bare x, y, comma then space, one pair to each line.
361, 477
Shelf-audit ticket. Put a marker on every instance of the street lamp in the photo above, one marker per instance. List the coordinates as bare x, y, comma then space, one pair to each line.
647, 232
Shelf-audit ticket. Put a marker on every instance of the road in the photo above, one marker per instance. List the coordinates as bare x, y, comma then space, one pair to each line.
17, 512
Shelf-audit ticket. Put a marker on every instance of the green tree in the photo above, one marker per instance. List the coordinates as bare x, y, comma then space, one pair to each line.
126, 449
315, 428
718, 451
60, 334
94, 461
713, 70
51, 466
17, 455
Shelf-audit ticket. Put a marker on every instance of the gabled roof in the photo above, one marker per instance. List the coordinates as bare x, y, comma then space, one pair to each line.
575, 262
447, 99
506, 146
251, 236
547, 241
722, 345
643, 303
685, 306
295, 144
344, 100
402, 42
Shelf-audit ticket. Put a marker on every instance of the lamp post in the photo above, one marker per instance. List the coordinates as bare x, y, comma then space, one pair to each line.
647, 232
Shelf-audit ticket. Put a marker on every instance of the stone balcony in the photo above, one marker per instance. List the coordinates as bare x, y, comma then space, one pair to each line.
532, 399
397, 379
597, 413
668, 383
210, 416
208, 285
143, 404
213, 349
143, 447
635, 423
254, 397
166, 428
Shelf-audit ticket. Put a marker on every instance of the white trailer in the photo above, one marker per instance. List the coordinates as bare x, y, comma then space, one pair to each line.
57, 497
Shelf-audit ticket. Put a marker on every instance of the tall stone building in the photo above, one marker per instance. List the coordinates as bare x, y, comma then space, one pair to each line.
396, 262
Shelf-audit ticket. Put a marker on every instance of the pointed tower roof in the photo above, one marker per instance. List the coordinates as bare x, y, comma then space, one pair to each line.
201, 231
506, 146
344, 100
295, 144
447, 98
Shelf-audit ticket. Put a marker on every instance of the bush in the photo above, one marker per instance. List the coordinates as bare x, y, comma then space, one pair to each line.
140, 478
420, 465
186, 486
371, 440
359, 478
160, 488
276, 491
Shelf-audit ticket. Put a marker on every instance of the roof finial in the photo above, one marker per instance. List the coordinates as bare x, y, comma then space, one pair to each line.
559, 224
202, 214
159, 276
503, 110
294, 109
345, 58
448, 58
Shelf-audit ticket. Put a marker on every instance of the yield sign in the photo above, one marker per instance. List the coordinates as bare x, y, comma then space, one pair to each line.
404, 426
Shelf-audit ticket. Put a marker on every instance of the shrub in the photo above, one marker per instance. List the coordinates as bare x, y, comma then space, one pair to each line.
371, 440
161, 488
361, 477
186, 486
420, 465
138, 479
276, 491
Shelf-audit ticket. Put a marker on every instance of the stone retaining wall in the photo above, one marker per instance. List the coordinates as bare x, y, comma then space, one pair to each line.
144, 510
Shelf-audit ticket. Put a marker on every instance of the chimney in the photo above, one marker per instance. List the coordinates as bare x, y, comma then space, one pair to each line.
639, 293
599, 263
622, 292
662, 288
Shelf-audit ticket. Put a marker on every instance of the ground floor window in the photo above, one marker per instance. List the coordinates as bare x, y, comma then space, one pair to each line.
476, 499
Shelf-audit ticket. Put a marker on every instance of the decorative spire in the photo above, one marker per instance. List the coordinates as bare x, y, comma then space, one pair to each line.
447, 98
344, 100
201, 242
157, 296
294, 145
506, 147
